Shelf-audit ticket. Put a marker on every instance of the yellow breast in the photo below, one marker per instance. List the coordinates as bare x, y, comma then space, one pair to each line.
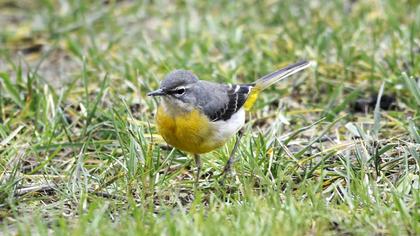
189, 131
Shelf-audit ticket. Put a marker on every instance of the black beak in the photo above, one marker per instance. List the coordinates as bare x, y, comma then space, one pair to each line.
158, 92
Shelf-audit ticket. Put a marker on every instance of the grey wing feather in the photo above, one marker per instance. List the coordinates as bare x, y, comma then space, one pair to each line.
224, 100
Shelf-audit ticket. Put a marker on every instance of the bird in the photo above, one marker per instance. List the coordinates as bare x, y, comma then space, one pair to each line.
199, 116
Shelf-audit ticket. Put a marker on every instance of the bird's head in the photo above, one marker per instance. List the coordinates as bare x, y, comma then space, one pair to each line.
176, 89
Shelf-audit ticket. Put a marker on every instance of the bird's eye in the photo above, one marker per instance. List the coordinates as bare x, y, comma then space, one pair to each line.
179, 92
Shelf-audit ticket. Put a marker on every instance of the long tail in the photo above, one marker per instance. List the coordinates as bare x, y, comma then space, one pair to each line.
273, 78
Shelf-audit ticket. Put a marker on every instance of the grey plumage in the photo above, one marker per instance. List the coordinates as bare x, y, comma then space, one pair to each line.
178, 78
212, 98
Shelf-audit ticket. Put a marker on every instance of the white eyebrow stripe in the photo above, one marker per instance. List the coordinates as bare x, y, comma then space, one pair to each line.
180, 87
237, 88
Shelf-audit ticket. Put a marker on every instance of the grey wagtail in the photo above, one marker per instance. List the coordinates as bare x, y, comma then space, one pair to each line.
199, 116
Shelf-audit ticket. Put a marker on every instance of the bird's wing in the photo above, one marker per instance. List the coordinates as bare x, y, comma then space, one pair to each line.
234, 98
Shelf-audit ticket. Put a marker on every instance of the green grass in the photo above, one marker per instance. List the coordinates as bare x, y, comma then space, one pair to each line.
79, 152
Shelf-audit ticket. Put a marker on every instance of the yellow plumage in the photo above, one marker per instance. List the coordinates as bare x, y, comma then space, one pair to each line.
252, 97
189, 132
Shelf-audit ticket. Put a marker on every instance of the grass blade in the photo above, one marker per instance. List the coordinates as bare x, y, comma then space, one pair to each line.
413, 88
377, 112
11, 88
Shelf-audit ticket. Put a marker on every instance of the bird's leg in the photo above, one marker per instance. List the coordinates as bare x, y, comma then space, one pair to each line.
231, 160
198, 165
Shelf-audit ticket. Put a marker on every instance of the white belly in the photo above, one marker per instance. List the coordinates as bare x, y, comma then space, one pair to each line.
225, 129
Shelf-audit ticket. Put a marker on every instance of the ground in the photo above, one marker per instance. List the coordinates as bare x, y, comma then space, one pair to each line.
333, 150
